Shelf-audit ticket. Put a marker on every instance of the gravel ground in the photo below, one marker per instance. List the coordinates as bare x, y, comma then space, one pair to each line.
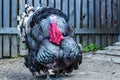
90, 69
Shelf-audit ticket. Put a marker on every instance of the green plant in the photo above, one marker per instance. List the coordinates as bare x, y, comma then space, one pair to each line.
90, 47
15, 56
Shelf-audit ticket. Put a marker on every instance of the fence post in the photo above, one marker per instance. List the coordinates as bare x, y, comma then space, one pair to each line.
118, 18
0, 27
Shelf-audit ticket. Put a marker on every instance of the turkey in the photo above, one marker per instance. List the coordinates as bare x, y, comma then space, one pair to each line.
50, 43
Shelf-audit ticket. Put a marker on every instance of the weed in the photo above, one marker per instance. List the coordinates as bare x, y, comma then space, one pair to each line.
90, 47
15, 56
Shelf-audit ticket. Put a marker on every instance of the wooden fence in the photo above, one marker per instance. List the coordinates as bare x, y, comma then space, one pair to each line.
8, 24
95, 21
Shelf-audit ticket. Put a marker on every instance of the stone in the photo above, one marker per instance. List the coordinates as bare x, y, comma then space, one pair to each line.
101, 52
108, 52
103, 57
116, 44
113, 48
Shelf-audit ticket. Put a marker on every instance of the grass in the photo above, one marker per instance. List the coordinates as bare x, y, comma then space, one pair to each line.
90, 47
15, 56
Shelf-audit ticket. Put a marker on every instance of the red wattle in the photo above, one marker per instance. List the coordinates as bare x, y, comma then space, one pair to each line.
55, 33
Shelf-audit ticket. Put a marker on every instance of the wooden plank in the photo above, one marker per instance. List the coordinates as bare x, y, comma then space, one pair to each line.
97, 13
78, 13
6, 49
6, 22
91, 20
0, 13
0, 27
14, 46
84, 20
118, 8
115, 38
77, 38
109, 20
29, 2
109, 39
43, 3
65, 6
51, 3
103, 22
84, 14
14, 13
58, 4
109, 13
8, 30
114, 22
36, 3
104, 40
22, 6
99, 31
14, 24
71, 12
97, 20
0, 46
91, 13
78, 16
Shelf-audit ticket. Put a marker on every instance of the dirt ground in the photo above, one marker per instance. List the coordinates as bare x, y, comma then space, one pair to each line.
90, 69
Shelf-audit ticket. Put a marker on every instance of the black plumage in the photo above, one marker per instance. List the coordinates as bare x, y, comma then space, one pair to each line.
44, 13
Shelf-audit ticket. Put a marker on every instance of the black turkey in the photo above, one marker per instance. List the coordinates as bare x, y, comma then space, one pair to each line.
50, 43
